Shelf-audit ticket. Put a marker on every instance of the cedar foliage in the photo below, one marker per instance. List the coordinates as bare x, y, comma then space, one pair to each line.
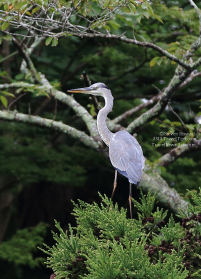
20, 248
106, 244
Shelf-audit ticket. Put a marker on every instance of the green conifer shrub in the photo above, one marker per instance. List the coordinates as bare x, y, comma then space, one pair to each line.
20, 248
107, 245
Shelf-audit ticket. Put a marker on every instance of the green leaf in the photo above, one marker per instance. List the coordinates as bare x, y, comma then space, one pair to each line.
68, 4
8, 94
28, 13
92, 111
106, 27
55, 42
174, 43
19, 90
146, 14
144, 6
152, 122
19, 76
114, 24
158, 18
159, 61
187, 46
4, 101
167, 121
138, 18
171, 49
150, 8
132, 8
48, 41
22, 8
35, 10
4, 25
106, 3
5, 7
153, 61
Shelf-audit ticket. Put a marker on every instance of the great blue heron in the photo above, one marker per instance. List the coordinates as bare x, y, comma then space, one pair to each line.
124, 150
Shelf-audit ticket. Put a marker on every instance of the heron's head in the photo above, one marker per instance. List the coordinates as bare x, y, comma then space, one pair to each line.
96, 89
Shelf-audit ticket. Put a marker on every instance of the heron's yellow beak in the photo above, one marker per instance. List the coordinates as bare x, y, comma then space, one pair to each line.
85, 90
75, 91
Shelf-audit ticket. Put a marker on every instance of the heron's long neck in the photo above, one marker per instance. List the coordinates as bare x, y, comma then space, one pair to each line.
101, 120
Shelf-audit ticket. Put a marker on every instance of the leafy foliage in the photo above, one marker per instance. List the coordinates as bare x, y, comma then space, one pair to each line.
105, 244
96, 15
20, 249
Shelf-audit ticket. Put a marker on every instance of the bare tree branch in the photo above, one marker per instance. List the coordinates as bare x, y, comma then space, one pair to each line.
178, 152
170, 108
190, 78
21, 84
197, 10
27, 59
14, 101
179, 76
139, 43
9, 56
136, 109
36, 120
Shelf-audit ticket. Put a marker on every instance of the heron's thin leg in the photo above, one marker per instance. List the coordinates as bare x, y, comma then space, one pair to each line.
115, 183
130, 199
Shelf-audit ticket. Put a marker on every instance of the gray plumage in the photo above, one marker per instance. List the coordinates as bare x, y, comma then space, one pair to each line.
126, 156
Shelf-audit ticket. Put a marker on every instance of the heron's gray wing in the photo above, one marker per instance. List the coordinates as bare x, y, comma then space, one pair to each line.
126, 155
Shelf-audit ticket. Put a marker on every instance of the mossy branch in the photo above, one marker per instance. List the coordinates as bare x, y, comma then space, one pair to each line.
167, 196
179, 151
36, 120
